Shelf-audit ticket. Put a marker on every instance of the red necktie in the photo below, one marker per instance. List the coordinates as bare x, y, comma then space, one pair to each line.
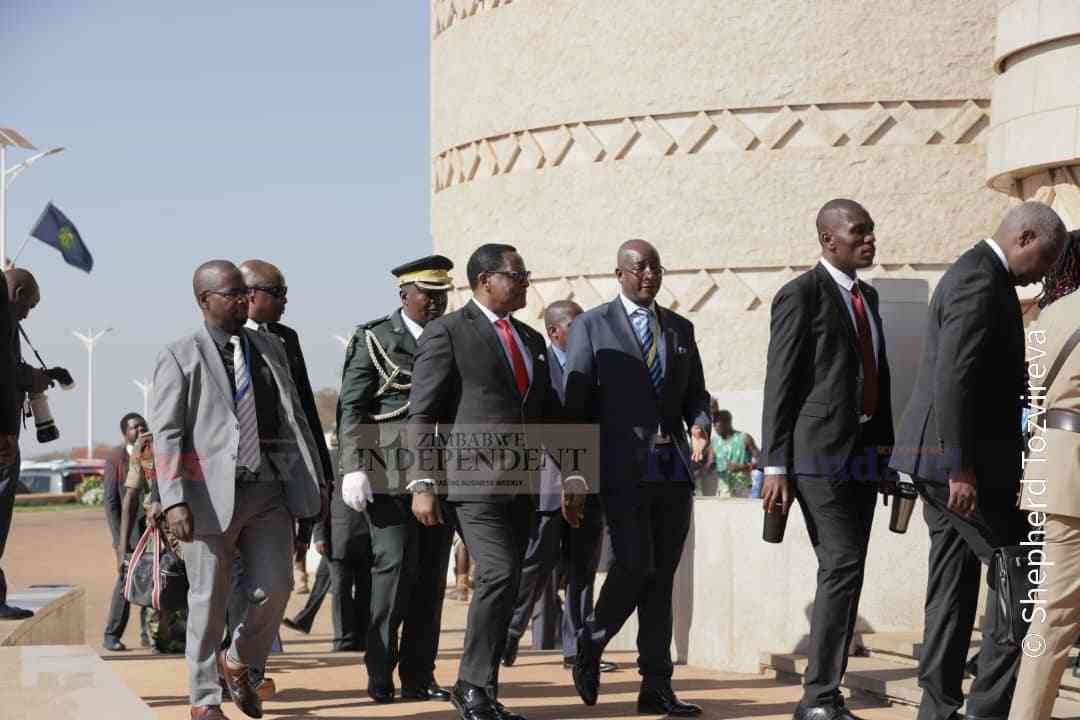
866, 349
521, 373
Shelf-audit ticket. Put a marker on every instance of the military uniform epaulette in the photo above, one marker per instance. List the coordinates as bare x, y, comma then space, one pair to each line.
372, 323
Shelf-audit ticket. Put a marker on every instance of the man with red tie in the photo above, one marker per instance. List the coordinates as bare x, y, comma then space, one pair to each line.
828, 433
479, 373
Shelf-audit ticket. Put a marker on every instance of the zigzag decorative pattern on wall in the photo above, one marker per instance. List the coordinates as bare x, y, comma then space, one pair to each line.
445, 13
956, 122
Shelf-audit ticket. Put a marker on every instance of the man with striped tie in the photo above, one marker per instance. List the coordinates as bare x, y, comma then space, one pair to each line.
237, 464
633, 367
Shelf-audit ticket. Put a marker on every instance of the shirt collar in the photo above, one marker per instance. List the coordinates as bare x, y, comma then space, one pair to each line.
559, 354
130, 448
252, 325
631, 307
414, 328
999, 252
492, 317
842, 279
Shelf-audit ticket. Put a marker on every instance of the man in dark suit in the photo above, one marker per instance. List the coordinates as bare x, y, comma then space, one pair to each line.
962, 444
408, 578
115, 475
552, 539
481, 373
633, 367
10, 422
828, 433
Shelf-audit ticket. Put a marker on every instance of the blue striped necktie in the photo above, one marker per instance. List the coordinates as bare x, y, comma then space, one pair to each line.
247, 453
647, 330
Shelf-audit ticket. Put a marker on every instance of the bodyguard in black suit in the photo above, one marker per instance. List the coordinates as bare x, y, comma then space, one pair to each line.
113, 479
960, 440
828, 432
477, 370
634, 369
408, 574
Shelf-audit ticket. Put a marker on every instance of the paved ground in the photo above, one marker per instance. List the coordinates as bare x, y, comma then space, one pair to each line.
74, 547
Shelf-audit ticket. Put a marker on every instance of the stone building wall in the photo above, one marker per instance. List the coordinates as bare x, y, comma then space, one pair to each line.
714, 130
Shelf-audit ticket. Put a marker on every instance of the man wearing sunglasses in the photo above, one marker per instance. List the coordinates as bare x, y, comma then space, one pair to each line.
237, 464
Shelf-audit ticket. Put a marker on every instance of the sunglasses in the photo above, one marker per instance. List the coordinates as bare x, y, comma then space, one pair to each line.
278, 291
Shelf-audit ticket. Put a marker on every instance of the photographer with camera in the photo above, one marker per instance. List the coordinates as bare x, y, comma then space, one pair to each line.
22, 295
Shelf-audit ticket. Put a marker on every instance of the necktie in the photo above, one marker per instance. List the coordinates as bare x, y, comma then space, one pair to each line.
866, 350
647, 331
247, 453
521, 373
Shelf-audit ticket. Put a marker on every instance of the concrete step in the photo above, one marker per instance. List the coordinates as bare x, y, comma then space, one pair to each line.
887, 680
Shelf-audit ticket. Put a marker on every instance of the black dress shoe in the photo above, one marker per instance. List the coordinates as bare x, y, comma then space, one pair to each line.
472, 703
510, 652
13, 613
503, 714
430, 691
605, 666
114, 645
662, 701
291, 624
381, 695
837, 711
587, 678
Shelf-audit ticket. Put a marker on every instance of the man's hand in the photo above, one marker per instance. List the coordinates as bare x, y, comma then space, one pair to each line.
963, 497
9, 449
39, 381
699, 443
775, 491
153, 512
323, 548
120, 553
425, 506
180, 524
573, 500
356, 490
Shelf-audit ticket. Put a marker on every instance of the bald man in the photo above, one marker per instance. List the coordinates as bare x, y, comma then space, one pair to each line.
963, 447
237, 464
828, 432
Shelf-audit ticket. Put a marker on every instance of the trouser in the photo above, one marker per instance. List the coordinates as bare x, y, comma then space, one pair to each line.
350, 583
497, 534
552, 540
839, 514
547, 615
957, 547
9, 478
646, 542
119, 612
408, 581
306, 617
262, 531
1058, 625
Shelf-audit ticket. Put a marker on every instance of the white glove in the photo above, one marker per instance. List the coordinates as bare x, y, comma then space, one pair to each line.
356, 490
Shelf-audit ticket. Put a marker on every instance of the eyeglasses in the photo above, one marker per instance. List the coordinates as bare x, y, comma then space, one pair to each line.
278, 291
518, 277
639, 270
232, 295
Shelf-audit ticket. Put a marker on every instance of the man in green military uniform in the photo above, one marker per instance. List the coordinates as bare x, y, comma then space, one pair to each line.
409, 565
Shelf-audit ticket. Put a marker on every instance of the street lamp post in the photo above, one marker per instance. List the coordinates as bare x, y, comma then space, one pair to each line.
13, 138
89, 340
146, 386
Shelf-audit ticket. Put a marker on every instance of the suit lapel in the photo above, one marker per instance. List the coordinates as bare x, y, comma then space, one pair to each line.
212, 360
670, 340
534, 354
486, 331
829, 285
620, 325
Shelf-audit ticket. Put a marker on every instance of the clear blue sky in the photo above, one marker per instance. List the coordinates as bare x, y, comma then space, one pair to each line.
294, 132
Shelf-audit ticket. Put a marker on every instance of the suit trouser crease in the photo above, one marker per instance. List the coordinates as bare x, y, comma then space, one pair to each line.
647, 542
262, 530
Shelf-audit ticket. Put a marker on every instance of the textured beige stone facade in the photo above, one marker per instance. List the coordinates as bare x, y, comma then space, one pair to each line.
1034, 141
715, 130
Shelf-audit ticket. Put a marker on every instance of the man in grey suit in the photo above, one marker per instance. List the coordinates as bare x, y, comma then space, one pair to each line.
552, 538
962, 443
634, 369
237, 465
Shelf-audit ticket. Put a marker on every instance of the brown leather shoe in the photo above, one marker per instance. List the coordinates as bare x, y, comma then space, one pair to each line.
207, 712
240, 688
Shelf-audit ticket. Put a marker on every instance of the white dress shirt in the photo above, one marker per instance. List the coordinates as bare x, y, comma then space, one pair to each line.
999, 252
414, 328
522, 347
560, 354
252, 325
661, 343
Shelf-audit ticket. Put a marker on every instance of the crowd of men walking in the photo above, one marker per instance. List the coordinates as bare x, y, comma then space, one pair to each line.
245, 480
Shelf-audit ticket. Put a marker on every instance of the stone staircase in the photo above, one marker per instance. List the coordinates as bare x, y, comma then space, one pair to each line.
888, 671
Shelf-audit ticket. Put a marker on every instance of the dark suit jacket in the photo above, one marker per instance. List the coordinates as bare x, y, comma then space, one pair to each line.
607, 383
814, 382
10, 410
965, 409
551, 474
112, 482
463, 381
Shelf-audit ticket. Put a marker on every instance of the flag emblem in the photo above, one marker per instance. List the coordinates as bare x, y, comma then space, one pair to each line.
66, 236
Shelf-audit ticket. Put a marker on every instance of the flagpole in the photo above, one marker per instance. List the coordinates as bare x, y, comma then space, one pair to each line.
3, 206
19, 251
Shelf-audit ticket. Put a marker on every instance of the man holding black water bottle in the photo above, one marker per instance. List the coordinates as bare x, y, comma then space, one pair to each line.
828, 434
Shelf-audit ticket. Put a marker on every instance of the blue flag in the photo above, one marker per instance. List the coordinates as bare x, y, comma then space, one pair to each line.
53, 228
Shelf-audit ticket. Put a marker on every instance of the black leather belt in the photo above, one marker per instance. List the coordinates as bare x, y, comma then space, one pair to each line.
243, 475
1067, 420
